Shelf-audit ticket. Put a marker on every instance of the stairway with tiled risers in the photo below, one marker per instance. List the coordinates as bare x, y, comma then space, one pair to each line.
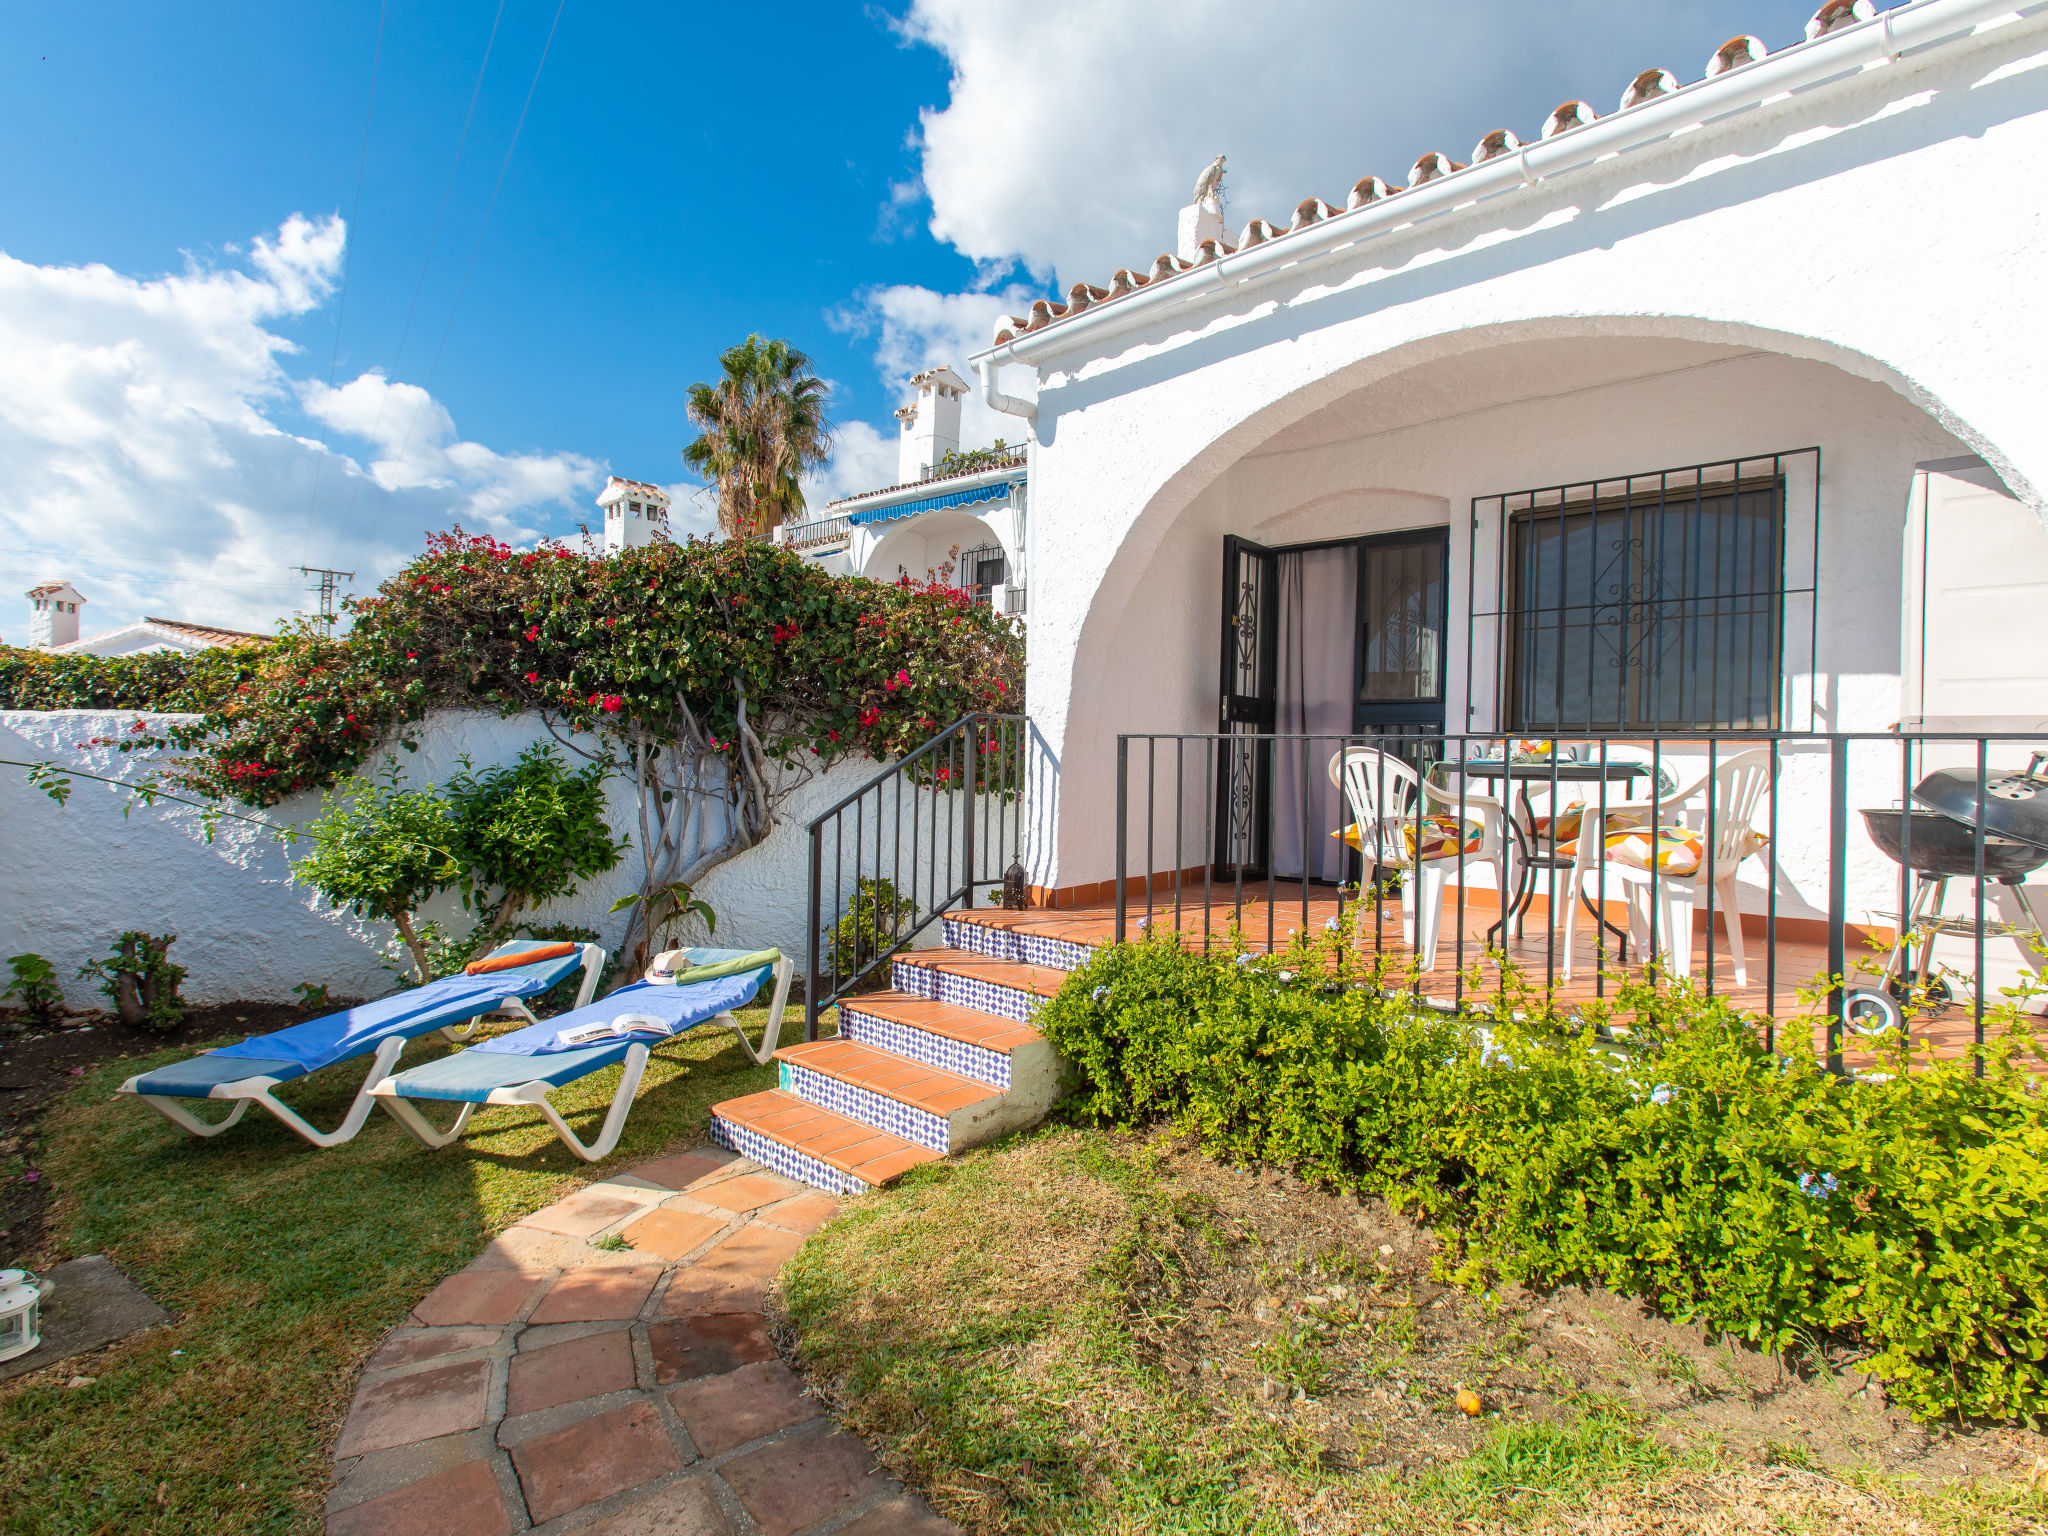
944, 1060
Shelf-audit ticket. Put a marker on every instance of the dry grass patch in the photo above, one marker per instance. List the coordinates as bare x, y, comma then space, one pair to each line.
1087, 1332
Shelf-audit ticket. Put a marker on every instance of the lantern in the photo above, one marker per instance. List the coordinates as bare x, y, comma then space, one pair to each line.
1016, 893
21, 1299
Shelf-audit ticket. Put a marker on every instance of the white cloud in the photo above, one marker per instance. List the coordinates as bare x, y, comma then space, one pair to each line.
1074, 129
149, 451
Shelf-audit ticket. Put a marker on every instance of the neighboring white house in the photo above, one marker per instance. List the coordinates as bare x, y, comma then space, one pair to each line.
634, 513
53, 626
945, 520
1444, 426
53, 614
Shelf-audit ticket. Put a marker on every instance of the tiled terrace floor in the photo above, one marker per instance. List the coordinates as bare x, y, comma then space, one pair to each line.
1270, 915
555, 1386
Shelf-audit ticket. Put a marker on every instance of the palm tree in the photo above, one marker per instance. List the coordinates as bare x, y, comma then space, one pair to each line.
763, 428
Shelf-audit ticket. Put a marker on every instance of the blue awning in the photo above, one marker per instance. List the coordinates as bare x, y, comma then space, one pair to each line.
999, 491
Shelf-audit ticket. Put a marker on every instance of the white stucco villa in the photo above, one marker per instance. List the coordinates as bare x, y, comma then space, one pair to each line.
951, 517
1723, 409
54, 626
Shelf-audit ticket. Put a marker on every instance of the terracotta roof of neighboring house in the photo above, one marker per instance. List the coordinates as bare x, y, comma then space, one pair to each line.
637, 485
44, 588
1014, 462
1651, 83
212, 634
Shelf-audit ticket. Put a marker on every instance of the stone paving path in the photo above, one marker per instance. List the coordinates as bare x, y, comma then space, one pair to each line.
555, 1386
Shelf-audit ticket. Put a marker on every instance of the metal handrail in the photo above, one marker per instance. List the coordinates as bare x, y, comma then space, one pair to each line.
949, 851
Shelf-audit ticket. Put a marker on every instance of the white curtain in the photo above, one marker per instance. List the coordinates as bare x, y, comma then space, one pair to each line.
1317, 635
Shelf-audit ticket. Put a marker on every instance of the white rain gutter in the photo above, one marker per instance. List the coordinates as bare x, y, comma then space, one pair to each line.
1880, 40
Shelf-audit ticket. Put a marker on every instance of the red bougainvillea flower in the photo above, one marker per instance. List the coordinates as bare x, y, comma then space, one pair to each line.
611, 703
870, 716
533, 677
533, 634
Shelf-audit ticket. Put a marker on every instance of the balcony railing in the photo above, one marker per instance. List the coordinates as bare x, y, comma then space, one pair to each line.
819, 530
1613, 853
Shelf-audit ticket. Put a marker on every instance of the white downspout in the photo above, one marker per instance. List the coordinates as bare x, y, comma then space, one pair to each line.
996, 400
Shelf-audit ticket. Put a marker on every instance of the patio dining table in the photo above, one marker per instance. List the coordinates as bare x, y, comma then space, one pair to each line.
1520, 817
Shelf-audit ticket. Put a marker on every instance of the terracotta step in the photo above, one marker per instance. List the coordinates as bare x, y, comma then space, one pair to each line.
1043, 980
1015, 936
1000, 988
899, 1094
805, 1141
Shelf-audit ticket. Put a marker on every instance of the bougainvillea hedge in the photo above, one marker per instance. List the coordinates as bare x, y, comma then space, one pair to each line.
825, 664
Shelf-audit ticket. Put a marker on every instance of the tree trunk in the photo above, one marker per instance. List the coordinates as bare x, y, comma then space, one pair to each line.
128, 1000
403, 922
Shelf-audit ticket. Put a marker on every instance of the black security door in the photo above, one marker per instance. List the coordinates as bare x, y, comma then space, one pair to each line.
1401, 634
1250, 698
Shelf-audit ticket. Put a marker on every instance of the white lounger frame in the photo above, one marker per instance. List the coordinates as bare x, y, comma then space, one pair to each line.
256, 1090
535, 1094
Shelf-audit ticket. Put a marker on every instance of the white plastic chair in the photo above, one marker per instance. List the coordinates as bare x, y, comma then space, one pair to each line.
1735, 790
1382, 794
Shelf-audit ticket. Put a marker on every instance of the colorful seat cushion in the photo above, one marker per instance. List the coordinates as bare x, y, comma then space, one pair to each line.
1438, 837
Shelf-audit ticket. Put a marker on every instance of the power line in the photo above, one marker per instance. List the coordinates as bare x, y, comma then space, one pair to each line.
329, 580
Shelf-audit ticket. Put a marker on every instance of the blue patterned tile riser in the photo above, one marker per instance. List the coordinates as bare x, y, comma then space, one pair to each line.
786, 1161
919, 1126
1018, 948
938, 986
921, 1045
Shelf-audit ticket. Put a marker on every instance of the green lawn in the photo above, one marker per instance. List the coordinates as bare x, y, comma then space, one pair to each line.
283, 1266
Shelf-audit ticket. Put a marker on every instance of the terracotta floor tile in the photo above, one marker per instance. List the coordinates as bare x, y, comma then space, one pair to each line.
593, 1459
751, 1252
798, 1482
724, 1411
747, 1192
684, 1169
670, 1234
804, 1215
463, 1501
397, 1410
710, 1345
597, 1295
409, 1346
890, 1165
484, 1297
687, 1508
583, 1214
904, 1515
563, 1373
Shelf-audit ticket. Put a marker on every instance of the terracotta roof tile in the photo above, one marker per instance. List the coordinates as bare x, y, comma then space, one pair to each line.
212, 634
1016, 461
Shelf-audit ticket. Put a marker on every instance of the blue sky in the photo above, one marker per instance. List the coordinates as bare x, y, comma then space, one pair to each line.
870, 182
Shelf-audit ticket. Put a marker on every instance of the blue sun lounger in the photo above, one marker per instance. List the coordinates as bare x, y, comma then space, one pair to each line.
246, 1073
524, 1067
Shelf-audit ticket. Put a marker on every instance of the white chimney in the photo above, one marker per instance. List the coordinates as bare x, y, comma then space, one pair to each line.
634, 512
53, 614
931, 425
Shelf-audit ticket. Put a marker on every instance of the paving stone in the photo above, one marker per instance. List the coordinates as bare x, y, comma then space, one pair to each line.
687, 1508
531, 1338
708, 1345
805, 1215
464, 1501
752, 1253
682, 1171
409, 1346
562, 1373
755, 1400
483, 1297
693, 1290
904, 1515
670, 1234
441, 1400
92, 1304
793, 1483
746, 1193
593, 1460
597, 1295
583, 1214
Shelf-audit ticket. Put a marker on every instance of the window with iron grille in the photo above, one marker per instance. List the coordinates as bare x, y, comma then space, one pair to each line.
983, 569
1653, 602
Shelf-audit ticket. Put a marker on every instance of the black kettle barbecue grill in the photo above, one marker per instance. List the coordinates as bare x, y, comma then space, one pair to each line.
1939, 844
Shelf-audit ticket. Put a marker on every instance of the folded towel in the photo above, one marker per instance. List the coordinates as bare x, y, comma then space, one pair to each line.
681, 967
517, 958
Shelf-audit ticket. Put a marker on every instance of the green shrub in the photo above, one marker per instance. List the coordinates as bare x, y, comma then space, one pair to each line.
526, 833
873, 920
1744, 1189
140, 979
34, 987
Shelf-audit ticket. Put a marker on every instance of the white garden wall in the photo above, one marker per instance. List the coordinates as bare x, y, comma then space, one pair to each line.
76, 875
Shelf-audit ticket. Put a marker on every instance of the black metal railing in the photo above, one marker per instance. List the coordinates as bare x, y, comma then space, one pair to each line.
911, 844
1225, 835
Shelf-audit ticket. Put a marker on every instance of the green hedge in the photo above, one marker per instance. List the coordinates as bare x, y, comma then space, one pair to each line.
158, 681
1742, 1189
